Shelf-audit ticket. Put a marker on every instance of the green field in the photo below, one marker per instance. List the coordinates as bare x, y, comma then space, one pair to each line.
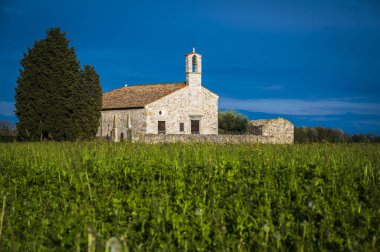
176, 197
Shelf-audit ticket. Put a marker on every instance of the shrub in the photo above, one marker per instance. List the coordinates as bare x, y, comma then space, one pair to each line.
232, 122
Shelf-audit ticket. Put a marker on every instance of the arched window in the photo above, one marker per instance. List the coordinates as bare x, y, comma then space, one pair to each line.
194, 64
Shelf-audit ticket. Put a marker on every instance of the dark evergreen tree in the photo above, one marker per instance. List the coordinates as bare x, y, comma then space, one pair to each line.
54, 98
30, 92
89, 104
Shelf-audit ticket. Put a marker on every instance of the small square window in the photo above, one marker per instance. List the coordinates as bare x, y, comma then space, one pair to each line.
181, 127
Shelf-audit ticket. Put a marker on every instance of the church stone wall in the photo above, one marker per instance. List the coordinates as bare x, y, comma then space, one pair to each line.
180, 107
137, 117
193, 79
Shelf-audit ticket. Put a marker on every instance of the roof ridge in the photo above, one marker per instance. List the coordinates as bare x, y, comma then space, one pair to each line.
147, 84
151, 84
162, 83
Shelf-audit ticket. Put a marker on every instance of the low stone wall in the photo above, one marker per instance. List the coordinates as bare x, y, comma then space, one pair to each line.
220, 139
274, 131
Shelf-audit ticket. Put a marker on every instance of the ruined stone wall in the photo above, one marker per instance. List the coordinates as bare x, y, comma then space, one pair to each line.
280, 129
181, 107
138, 122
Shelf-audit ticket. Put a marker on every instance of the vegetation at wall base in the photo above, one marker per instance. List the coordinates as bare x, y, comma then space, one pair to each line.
8, 131
178, 197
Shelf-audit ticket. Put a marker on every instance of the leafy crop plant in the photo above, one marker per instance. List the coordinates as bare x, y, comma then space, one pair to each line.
97, 196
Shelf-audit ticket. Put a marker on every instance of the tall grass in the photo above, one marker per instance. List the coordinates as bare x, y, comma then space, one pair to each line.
190, 197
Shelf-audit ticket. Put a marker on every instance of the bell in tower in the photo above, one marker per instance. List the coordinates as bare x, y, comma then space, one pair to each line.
193, 69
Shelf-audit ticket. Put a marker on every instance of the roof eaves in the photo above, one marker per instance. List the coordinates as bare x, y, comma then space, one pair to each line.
122, 108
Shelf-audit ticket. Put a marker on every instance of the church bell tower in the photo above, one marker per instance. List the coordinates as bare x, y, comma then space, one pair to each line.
193, 69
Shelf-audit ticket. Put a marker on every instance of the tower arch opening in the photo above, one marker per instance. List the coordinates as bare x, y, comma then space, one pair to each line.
194, 64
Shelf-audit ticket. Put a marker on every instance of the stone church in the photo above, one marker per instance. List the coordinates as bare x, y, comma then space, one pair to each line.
169, 108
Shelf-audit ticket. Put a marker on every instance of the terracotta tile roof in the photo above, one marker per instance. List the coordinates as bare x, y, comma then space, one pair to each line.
138, 96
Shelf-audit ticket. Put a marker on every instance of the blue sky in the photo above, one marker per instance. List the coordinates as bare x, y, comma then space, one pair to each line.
315, 62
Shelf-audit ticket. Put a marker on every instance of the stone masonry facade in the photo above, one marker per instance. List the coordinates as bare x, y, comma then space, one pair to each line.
124, 127
181, 107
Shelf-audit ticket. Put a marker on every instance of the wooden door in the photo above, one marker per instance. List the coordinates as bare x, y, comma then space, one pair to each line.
161, 127
194, 126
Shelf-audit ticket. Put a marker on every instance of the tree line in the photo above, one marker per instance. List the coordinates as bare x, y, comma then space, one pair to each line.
321, 135
8, 131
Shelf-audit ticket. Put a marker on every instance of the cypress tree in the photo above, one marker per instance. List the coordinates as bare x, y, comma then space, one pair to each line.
28, 107
89, 103
45, 95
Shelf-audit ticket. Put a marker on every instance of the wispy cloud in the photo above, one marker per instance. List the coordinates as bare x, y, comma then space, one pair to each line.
369, 122
271, 87
238, 70
294, 15
319, 118
7, 108
321, 107
11, 10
